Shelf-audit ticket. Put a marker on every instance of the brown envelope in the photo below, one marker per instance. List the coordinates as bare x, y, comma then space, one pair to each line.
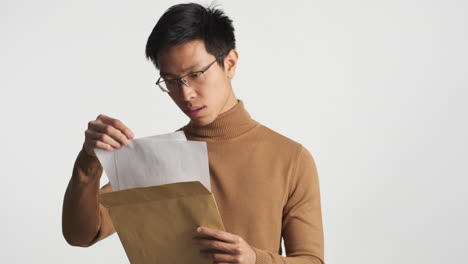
156, 224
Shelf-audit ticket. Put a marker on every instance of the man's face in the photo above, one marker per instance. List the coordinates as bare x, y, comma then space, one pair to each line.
214, 94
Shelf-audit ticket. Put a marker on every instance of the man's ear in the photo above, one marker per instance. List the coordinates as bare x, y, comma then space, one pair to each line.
230, 63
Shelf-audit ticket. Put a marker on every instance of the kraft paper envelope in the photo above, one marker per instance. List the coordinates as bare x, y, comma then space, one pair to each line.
156, 224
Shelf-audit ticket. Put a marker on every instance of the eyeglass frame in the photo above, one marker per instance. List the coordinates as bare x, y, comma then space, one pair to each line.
183, 77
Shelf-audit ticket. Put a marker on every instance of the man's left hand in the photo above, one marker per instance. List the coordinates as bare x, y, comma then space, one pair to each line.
223, 247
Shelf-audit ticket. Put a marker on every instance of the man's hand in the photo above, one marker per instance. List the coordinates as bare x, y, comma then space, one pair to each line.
106, 133
223, 247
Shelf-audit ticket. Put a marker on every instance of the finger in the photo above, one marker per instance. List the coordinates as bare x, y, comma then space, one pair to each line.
117, 124
223, 247
219, 257
218, 234
110, 131
97, 136
90, 145
102, 145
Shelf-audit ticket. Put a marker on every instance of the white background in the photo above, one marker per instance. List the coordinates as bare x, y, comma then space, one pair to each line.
376, 90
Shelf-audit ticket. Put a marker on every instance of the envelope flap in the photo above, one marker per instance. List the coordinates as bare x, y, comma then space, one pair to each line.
153, 193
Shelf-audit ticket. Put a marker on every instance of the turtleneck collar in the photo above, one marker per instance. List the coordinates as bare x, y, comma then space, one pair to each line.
230, 124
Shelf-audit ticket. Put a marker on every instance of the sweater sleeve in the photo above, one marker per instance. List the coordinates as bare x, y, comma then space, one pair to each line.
302, 229
84, 220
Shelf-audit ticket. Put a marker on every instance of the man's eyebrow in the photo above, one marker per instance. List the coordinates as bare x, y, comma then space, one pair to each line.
183, 70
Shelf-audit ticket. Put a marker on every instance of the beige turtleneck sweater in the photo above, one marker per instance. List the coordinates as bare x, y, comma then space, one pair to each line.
266, 187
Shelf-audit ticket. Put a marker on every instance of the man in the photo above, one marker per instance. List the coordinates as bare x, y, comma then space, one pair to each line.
265, 184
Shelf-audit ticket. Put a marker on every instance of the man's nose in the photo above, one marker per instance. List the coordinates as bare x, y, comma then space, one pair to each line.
188, 92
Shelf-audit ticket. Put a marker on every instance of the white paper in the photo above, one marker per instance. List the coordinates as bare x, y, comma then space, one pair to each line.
156, 160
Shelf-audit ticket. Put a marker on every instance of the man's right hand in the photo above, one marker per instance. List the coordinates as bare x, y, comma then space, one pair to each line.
106, 133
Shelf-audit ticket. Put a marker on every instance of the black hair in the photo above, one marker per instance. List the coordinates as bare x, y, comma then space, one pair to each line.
182, 23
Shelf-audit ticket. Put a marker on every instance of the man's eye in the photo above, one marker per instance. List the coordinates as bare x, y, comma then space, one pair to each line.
195, 74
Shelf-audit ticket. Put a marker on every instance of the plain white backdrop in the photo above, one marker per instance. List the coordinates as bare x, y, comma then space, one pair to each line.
376, 90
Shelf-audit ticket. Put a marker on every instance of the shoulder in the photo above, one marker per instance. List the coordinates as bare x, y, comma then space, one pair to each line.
277, 137
278, 141
284, 144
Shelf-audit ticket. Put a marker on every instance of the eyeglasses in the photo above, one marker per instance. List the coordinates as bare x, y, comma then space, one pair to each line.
193, 78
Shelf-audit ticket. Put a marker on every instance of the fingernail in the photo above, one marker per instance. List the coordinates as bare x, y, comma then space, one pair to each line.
199, 229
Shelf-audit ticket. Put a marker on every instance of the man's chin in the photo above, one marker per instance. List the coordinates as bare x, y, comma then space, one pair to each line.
201, 121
